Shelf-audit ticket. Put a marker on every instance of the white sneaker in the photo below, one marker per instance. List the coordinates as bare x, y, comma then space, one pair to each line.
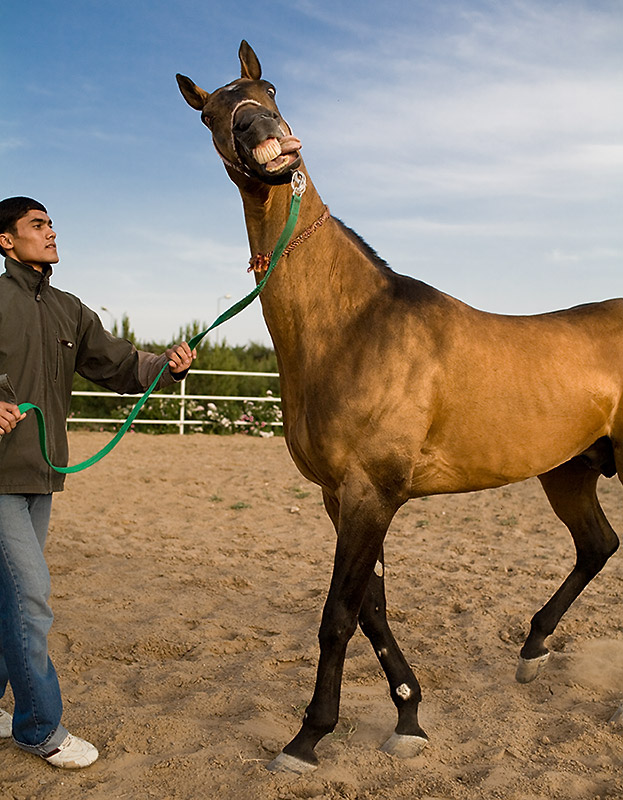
72, 753
6, 725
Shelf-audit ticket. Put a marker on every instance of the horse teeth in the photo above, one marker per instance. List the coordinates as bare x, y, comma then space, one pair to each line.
267, 151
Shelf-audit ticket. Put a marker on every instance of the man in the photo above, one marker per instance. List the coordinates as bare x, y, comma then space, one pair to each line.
45, 336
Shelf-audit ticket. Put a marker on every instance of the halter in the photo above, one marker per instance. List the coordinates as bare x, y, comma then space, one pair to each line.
239, 167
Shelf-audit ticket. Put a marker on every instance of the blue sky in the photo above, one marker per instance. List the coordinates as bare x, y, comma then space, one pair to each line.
477, 146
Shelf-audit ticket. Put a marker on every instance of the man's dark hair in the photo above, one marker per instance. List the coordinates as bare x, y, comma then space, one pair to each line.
13, 209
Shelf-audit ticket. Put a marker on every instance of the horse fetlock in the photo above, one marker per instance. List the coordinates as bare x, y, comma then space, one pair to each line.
302, 747
315, 728
407, 694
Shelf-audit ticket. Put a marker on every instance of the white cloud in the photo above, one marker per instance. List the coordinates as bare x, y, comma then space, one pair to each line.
421, 226
533, 84
7, 145
203, 251
456, 136
586, 256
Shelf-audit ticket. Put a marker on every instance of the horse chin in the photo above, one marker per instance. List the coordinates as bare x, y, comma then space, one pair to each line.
278, 171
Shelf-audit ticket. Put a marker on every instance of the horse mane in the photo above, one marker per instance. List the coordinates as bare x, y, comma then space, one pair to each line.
364, 247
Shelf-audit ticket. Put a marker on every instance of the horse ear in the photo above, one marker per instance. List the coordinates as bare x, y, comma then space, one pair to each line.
194, 96
249, 63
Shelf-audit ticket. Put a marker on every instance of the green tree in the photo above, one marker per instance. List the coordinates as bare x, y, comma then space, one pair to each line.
253, 357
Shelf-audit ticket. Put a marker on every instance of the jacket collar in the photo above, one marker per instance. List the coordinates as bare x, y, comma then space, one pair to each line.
27, 277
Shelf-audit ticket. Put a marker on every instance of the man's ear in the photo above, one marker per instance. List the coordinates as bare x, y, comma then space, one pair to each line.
6, 241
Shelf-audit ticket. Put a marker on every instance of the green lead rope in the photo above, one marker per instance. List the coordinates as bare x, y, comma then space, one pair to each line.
298, 182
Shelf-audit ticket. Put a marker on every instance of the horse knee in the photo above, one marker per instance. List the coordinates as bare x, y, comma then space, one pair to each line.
336, 629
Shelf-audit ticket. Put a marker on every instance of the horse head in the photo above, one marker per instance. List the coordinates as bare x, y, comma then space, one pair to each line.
248, 132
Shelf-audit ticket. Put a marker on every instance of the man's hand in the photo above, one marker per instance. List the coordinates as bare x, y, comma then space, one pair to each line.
9, 417
180, 357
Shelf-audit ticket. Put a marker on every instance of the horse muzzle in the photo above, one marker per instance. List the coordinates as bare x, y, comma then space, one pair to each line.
264, 143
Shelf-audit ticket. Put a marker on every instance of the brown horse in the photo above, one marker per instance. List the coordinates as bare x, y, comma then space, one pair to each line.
393, 390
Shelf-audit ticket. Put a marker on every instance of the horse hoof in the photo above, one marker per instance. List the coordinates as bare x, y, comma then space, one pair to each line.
529, 668
616, 720
285, 763
403, 746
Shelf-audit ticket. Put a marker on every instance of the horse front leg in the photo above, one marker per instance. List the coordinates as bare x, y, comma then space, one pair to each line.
363, 521
408, 738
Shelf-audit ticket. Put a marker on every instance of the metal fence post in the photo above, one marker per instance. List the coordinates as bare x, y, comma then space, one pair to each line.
182, 404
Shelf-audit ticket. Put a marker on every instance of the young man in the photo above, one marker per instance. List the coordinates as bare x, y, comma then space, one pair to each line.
45, 336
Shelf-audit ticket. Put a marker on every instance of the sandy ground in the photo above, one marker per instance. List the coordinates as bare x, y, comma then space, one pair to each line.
188, 580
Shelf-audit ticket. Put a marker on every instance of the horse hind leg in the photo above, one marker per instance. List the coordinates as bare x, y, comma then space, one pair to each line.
571, 490
616, 720
408, 738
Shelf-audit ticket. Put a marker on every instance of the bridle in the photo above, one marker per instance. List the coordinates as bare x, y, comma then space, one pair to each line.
261, 261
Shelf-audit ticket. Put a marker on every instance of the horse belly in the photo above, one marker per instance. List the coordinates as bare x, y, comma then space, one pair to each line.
480, 446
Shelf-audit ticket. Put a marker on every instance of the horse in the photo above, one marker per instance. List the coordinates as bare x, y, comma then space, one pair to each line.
393, 390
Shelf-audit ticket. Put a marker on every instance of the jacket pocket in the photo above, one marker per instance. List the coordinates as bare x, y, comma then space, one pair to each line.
7, 392
64, 348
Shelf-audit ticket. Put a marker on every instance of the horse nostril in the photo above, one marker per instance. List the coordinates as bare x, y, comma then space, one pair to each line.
249, 118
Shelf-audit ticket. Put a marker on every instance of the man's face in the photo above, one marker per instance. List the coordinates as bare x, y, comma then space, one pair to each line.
34, 240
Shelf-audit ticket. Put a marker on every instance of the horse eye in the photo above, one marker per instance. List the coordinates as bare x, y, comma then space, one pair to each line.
271, 91
205, 119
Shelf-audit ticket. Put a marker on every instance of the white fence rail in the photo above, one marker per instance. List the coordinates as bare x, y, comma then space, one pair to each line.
182, 397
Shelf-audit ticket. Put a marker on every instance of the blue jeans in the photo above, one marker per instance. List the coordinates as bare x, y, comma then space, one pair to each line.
25, 619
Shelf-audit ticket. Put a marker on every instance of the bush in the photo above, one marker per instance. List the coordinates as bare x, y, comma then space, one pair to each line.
255, 418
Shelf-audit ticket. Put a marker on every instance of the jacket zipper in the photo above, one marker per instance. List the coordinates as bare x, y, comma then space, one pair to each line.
43, 361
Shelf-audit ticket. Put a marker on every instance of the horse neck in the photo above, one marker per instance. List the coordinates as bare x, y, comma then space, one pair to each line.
266, 211
308, 292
